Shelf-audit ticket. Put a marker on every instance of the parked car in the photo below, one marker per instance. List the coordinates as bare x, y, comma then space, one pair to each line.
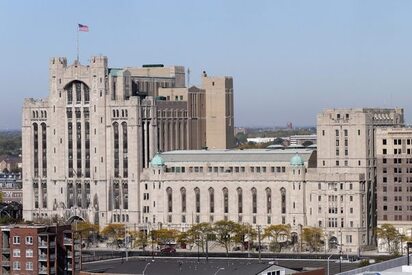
168, 250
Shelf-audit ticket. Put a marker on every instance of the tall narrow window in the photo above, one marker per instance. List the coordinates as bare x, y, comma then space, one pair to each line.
211, 200
125, 196
44, 149
86, 94
283, 200
225, 200
69, 92
183, 198
239, 200
116, 149
79, 149
254, 200
169, 194
197, 199
125, 151
70, 148
268, 201
116, 195
87, 149
78, 92
36, 149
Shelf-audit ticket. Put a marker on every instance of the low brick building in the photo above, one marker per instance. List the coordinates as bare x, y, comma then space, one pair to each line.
39, 249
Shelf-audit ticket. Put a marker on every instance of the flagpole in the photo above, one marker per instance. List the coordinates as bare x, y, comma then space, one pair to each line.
77, 44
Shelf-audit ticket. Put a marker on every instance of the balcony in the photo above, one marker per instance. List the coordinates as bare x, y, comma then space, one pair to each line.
5, 263
6, 250
43, 270
43, 244
43, 258
68, 241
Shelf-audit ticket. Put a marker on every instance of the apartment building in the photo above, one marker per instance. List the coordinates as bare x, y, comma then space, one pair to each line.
394, 178
38, 249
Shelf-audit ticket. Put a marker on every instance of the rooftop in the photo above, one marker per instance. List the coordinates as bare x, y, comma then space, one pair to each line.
251, 155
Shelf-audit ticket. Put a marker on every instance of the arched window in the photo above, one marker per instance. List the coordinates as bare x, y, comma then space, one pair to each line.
169, 194
225, 200
283, 200
197, 198
239, 200
211, 200
268, 201
183, 198
254, 200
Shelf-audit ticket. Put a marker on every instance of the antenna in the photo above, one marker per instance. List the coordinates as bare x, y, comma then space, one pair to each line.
188, 77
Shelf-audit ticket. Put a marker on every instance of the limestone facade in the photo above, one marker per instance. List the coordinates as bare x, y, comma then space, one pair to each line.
86, 144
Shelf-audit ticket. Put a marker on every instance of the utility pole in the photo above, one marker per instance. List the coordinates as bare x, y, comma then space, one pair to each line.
207, 247
260, 259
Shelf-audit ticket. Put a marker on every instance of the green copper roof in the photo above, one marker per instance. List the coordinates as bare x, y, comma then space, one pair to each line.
296, 160
157, 161
115, 71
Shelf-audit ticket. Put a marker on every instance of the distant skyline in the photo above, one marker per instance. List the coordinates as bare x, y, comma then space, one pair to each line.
289, 59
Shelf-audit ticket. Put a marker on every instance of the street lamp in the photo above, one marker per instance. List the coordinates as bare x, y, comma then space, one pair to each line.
408, 245
217, 271
144, 270
328, 261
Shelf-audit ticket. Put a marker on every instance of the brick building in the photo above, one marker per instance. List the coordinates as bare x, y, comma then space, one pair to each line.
38, 249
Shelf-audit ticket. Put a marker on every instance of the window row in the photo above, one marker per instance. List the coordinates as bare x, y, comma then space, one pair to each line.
39, 114
238, 197
120, 113
222, 169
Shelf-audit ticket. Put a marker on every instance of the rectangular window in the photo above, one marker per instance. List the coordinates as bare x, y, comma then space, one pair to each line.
29, 240
29, 266
16, 240
384, 141
16, 252
29, 253
16, 265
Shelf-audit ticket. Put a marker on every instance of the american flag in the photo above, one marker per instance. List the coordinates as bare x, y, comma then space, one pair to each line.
83, 28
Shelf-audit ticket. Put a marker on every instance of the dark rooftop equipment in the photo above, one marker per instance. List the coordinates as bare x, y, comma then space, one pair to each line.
153, 65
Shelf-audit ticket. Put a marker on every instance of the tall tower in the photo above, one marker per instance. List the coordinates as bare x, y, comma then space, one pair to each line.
346, 144
219, 112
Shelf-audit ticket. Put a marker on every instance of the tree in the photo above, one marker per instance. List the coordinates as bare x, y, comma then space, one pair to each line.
114, 231
278, 233
244, 232
87, 230
199, 234
1, 196
312, 237
139, 239
241, 138
225, 232
164, 236
278, 141
390, 236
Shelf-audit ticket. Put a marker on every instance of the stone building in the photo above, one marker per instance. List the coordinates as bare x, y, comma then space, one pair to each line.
346, 144
85, 145
259, 187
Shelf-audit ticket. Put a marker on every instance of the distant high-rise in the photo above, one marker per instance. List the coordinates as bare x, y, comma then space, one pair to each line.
85, 145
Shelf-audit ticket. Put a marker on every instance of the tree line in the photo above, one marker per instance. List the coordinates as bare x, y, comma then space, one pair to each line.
227, 234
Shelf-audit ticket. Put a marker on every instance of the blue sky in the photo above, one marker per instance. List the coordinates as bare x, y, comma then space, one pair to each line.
289, 59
